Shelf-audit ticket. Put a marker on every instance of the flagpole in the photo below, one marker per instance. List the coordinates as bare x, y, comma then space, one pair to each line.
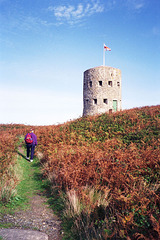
105, 48
103, 56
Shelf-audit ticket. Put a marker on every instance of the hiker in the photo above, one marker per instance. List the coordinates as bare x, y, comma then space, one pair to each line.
31, 142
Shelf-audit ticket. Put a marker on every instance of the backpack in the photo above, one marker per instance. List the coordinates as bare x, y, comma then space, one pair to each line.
29, 138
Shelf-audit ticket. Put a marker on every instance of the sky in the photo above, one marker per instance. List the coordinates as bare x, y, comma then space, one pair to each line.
46, 45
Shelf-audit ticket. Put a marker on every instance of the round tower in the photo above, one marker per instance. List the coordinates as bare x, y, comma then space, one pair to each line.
101, 90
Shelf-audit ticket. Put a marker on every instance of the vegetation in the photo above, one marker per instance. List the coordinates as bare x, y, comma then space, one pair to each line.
30, 181
106, 168
8, 177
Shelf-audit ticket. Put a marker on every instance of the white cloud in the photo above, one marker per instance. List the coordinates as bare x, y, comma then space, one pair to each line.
31, 23
71, 13
110, 4
136, 4
25, 23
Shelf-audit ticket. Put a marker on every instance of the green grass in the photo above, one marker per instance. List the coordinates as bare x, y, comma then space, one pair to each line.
6, 225
31, 182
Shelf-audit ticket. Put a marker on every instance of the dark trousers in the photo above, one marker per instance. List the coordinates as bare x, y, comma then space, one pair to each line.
30, 148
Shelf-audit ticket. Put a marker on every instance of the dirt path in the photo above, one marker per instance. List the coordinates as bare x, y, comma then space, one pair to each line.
38, 217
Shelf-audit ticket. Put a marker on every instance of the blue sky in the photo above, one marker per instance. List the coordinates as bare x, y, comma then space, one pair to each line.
46, 45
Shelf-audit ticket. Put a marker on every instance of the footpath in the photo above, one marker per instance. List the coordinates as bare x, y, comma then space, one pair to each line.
37, 220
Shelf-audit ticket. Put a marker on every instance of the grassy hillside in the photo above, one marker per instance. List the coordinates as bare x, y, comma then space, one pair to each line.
108, 169
9, 137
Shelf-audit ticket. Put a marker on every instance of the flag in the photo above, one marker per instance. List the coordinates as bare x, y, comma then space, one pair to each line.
106, 48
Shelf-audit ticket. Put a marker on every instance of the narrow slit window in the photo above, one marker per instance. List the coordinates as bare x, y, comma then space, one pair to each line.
90, 83
100, 83
87, 100
118, 84
110, 83
95, 101
105, 100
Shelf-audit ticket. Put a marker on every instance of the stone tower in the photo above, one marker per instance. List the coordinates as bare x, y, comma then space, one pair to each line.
101, 90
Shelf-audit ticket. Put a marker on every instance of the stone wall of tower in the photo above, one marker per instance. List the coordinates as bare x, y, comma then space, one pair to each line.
101, 90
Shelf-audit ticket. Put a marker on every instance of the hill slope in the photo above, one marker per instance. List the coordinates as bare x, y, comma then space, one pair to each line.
109, 166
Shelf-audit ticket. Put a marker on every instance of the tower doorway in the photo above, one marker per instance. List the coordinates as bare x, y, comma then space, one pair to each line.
115, 105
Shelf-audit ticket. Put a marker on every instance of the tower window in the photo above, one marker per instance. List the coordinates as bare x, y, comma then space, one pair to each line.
105, 100
87, 100
110, 83
100, 83
95, 101
90, 83
118, 84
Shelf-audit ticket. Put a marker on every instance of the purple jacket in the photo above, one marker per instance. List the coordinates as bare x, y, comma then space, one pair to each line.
34, 137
